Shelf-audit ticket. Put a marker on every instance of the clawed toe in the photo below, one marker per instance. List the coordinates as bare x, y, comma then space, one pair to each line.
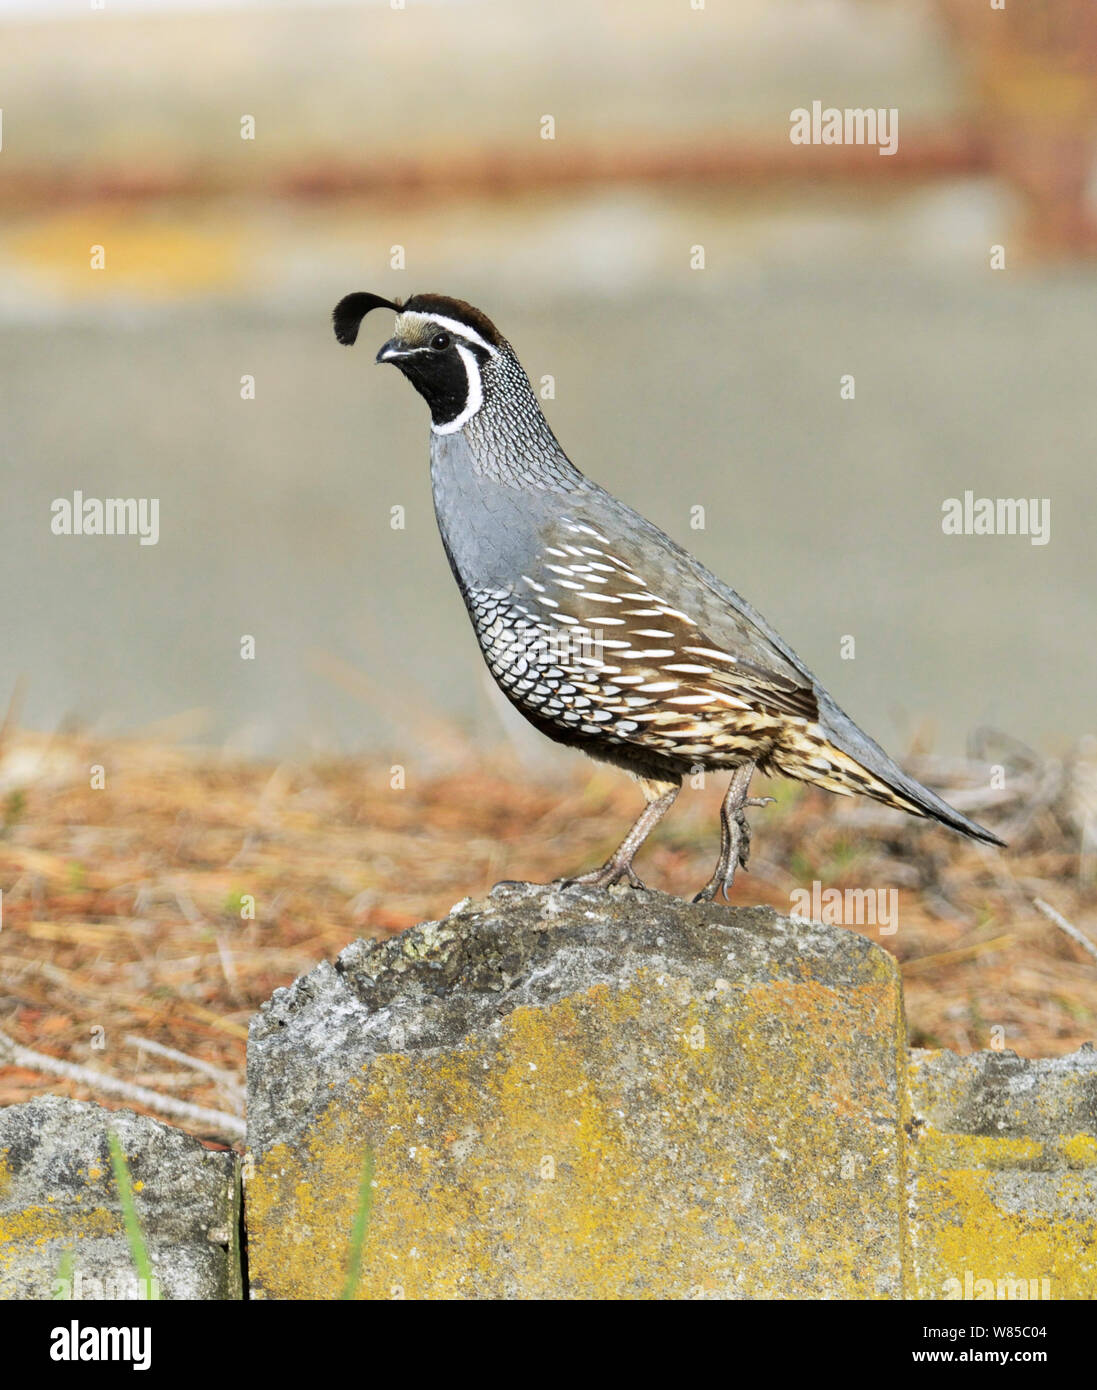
606, 877
714, 888
734, 857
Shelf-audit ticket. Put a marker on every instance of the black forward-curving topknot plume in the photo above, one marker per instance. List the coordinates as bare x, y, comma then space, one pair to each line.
351, 310
349, 313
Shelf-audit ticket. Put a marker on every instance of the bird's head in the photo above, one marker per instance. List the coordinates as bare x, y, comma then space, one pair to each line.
444, 347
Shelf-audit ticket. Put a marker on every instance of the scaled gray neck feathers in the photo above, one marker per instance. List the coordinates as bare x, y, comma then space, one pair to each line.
509, 438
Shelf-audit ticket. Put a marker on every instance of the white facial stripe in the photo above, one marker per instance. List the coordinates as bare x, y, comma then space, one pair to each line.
455, 326
475, 396
391, 354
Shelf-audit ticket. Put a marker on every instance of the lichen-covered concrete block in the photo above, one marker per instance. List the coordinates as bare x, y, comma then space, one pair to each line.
57, 1195
583, 1093
1003, 1176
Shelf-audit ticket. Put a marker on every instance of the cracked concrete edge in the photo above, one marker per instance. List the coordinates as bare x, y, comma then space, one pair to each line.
58, 1203
389, 996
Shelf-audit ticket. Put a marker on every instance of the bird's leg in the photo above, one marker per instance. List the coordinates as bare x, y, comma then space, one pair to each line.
734, 834
660, 798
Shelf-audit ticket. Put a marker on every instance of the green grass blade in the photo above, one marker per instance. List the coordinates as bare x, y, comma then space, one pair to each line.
360, 1227
65, 1268
134, 1237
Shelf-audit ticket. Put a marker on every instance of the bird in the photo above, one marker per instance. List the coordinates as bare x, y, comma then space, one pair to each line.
605, 633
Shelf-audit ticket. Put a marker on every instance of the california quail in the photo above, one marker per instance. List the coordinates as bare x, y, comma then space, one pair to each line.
607, 635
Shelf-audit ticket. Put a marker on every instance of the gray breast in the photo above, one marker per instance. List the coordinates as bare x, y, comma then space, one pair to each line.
593, 621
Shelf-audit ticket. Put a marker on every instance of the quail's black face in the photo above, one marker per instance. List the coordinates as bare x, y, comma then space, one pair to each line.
434, 364
441, 345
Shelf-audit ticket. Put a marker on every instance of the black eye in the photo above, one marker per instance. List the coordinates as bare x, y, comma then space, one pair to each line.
440, 342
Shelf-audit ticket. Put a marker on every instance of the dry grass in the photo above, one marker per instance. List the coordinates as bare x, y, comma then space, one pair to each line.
122, 907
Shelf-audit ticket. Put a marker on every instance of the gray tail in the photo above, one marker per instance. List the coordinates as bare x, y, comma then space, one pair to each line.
878, 776
924, 802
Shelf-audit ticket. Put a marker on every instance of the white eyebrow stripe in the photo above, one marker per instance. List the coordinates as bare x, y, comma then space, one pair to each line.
454, 325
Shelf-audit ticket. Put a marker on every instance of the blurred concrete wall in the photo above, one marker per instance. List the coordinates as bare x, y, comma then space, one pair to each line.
675, 387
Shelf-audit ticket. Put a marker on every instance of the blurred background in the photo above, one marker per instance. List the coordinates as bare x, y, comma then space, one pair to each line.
398, 148
420, 128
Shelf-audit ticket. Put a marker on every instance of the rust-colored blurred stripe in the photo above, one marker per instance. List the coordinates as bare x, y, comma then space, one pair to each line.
922, 155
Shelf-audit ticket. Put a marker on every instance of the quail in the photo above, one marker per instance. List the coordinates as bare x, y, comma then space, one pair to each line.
605, 634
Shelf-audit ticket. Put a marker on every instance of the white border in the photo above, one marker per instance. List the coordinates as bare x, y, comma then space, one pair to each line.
475, 395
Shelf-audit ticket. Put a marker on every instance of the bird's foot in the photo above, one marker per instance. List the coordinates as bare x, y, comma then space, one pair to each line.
736, 856
612, 871
735, 853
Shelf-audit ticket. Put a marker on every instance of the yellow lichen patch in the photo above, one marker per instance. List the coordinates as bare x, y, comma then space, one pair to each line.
968, 1231
646, 1141
37, 1225
1080, 1150
939, 1150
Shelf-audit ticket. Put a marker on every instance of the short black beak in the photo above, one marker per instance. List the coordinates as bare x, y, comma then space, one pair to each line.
394, 348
